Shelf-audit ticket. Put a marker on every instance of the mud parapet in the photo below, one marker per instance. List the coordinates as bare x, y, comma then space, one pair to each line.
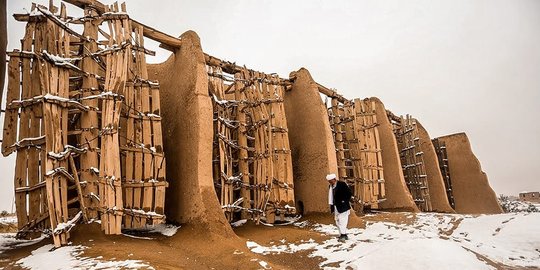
311, 142
471, 189
437, 192
187, 136
398, 196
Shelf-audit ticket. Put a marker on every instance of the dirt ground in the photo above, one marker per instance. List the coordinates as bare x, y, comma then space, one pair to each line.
193, 248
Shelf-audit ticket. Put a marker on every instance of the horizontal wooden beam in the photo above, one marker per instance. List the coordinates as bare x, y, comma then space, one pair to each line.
232, 68
226, 66
149, 32
157, 35
393, 117
332, 93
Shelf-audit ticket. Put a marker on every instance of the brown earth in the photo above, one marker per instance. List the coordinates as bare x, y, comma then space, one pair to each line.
194, 247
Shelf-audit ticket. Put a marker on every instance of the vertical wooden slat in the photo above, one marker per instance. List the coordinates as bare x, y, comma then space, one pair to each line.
242, 143
9, 136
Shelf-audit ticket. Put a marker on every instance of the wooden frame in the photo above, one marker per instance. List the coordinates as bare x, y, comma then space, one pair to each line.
358, 150
85, 110
252, 159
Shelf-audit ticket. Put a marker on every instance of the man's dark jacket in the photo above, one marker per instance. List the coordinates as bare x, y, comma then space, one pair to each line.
342, 195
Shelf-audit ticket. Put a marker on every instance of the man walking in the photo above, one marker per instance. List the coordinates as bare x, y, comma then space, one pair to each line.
339, 195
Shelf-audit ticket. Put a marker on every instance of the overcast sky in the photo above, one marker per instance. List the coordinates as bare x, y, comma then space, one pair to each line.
457, 66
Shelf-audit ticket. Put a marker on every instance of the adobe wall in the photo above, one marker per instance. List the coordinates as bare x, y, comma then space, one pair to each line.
530, 197
398, 196
472, 193
311, 142
3, 44
437, 190
188, 137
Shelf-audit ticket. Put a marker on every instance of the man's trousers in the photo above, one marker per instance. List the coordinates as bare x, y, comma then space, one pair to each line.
341, 220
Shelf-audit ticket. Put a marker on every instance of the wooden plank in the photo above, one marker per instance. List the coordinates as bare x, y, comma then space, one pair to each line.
90, 119
242, 142
117, 171
36, 129
79, 189
338, 138
38, 81
135, 134
51, 186
382, 190
63, 90
34, 124
11, 116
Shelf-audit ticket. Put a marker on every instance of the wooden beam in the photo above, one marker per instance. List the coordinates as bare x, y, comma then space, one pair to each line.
149, 32
393, 117
232, 68
98, 6
157, 35
332, 93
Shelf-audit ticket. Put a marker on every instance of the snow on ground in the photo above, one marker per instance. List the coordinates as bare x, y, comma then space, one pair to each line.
70, 257
8, 220
8, 241
165, 229
432, 241
514, 205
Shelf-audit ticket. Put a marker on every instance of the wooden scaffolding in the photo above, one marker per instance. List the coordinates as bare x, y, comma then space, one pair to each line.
412, 160
252, 159
84, 121
358, 150
442, 156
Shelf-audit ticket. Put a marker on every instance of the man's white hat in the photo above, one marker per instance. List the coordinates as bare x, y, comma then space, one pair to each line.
330, 176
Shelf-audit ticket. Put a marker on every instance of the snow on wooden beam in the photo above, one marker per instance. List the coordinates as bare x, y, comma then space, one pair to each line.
149, 32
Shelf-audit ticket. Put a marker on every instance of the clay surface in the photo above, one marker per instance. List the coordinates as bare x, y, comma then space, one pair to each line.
437, 191
472, 192
311, 142
187, 136
398, 196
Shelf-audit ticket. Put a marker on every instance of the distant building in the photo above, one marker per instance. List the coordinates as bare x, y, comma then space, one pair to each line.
530, 196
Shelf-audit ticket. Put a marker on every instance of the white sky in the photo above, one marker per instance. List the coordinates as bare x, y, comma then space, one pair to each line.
471, 66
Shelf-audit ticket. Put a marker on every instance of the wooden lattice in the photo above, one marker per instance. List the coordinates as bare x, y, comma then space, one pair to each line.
358, 150
84, 121
252, 159
442, 156
412, 161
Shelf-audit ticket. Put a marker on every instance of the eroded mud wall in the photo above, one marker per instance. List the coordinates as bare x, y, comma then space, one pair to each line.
311, 142
437, 192
398, 196
472, 192
187, 135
